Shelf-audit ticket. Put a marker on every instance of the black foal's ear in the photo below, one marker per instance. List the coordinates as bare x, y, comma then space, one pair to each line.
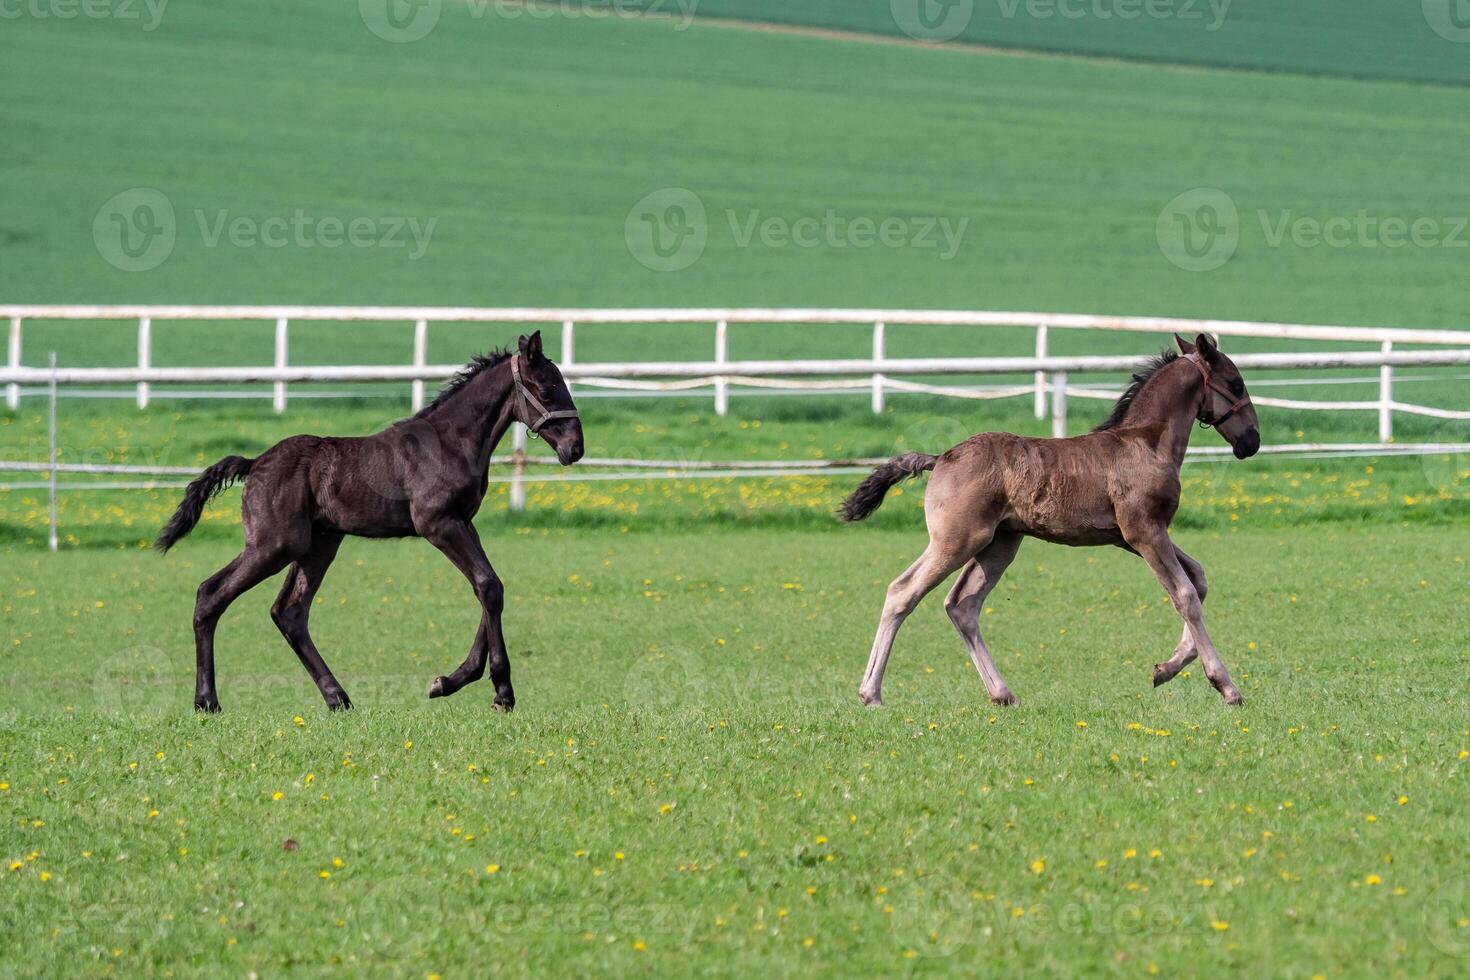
523, 343
1185, 347
532, 347
1207, 345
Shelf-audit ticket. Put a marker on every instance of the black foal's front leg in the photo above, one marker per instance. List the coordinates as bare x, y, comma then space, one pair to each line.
461, 545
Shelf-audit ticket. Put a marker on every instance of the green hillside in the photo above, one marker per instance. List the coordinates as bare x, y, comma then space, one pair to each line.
1396, 39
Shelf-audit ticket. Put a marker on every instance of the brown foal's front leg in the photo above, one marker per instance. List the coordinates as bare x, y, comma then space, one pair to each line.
1186, 651
1156, 549
461, 545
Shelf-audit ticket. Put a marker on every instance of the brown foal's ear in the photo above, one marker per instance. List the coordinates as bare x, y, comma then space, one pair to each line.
1207, 345
1185, 347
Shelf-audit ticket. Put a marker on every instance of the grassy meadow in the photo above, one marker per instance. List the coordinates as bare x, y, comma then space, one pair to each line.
688, 785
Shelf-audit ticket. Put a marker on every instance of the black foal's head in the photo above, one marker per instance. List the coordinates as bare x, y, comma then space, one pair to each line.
545, 384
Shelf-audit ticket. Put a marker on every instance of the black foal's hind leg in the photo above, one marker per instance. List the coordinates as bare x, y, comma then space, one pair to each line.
292, 611
249, 569
461, 545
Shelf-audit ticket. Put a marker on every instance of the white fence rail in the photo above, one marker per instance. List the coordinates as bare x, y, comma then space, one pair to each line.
1050, 376
622, 377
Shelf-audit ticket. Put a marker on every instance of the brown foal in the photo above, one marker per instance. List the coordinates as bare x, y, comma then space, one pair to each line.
1117, 485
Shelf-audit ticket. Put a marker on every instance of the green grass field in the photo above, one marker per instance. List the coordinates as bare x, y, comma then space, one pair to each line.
688, 785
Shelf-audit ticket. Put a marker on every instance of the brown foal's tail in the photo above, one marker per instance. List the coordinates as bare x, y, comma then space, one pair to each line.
210, 482
869, 495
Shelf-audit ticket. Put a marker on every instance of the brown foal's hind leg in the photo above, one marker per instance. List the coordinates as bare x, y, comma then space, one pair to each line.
461, 545
1186, 651
292, 611
1156, 549
966, 600
251, 567
932, 567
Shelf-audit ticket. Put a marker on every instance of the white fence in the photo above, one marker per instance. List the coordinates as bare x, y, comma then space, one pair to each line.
877, 375
720, 374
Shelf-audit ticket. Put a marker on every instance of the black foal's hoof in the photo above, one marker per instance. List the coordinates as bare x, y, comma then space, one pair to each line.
438, 688
506, 706
343, 703
208, 707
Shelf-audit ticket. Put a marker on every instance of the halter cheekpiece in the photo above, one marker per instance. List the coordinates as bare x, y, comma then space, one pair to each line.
1213, 384
532, 412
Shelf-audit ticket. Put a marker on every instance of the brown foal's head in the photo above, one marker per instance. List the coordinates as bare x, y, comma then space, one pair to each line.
549, 394
1225, 405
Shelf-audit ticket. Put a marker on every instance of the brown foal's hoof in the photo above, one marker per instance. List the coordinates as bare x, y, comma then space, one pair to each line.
1161, 674
1006, 700
1233, 698
870, 700
437, 688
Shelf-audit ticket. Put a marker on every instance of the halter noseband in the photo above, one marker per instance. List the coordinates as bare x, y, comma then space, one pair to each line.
529, 404
1213, 384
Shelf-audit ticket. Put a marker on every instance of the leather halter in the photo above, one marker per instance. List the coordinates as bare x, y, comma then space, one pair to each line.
1214, 384
529, 405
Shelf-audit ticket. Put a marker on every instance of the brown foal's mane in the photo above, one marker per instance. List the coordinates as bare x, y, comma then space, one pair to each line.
478, 364
1140, 378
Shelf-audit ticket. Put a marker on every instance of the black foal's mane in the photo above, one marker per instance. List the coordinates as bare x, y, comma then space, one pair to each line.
1140, 378
477, 364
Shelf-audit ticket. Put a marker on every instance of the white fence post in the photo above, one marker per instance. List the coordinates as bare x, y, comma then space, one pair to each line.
722, 352
1385, 397
879, 348
1059, 405
1041, 375
12, 391
279, 399
518, 467
145, 356
54, 538
420, 359
568, 347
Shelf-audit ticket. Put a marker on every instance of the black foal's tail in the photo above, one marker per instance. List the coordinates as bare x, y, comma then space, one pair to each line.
869, 495
210, 482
